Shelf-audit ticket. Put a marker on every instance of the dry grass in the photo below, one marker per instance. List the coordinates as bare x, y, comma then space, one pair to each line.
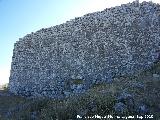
101, 96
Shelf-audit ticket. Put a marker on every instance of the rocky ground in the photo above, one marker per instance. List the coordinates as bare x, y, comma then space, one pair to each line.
125, 96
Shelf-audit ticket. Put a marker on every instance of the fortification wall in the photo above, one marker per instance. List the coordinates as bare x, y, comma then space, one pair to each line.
93, 48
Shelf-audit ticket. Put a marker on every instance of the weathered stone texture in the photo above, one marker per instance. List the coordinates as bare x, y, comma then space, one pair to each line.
95, 47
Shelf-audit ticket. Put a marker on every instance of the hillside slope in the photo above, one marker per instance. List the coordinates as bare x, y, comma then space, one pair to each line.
134, 95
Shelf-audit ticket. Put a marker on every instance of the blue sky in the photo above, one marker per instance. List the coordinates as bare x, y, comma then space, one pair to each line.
21, 17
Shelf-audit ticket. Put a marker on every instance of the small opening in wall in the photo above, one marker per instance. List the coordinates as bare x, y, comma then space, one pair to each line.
158, 56
77, 81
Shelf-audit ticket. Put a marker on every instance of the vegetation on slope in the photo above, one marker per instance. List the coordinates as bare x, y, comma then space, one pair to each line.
101, 99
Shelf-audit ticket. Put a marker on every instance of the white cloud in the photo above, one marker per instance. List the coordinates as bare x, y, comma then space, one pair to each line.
4, 75
102, 4
99, 5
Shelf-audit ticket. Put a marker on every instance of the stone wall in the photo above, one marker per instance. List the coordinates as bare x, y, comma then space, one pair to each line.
89, 49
